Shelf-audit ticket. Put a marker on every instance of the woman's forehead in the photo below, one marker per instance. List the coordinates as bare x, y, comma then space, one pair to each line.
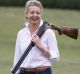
34, 8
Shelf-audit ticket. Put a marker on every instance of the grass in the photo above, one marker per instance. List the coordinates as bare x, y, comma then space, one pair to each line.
12, 20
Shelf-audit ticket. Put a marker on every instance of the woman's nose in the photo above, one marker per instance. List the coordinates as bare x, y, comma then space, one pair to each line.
35, 14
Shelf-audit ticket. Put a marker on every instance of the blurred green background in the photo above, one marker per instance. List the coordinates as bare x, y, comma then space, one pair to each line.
12, 20
70, 4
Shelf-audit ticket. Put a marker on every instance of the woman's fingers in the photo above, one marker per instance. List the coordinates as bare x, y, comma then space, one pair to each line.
35, 38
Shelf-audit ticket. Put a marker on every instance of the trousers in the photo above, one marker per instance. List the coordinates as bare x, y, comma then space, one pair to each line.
47, 71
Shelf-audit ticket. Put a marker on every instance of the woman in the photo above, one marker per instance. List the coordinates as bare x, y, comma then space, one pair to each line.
45, 50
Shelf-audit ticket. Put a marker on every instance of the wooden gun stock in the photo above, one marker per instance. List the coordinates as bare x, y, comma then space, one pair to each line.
71, 32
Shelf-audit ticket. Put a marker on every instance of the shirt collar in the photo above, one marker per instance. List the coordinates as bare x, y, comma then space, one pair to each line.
27, 23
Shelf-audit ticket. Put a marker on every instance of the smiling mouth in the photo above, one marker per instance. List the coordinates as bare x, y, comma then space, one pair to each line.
34, 18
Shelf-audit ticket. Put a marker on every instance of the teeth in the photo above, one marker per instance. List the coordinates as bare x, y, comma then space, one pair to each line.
34, 19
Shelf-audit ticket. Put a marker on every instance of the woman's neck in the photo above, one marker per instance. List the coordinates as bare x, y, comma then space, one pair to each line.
33, 28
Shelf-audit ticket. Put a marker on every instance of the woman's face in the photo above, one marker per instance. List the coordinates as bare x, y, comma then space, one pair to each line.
34, 15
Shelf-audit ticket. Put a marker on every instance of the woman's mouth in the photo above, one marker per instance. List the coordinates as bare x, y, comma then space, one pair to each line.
34, 18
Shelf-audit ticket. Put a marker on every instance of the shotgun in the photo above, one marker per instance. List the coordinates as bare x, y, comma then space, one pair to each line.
71, 32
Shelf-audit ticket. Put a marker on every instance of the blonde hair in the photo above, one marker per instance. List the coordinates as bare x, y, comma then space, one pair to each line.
33, 3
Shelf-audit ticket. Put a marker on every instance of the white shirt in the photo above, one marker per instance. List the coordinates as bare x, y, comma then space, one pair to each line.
35, 58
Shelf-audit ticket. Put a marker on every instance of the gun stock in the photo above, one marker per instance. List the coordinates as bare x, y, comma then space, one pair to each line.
71, 32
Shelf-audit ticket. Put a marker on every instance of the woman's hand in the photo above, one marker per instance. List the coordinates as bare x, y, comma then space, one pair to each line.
40, 45
36, 40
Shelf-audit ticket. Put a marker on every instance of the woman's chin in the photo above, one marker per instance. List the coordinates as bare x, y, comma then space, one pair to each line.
35, 22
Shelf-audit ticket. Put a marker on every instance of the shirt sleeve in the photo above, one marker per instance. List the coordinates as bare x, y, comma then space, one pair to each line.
52, 46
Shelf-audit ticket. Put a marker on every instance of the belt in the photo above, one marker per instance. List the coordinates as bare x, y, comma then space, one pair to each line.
37, 69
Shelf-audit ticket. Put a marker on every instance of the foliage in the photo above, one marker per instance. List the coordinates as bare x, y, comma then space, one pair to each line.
70, 4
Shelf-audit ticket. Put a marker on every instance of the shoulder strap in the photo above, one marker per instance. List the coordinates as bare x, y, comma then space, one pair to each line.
42, 29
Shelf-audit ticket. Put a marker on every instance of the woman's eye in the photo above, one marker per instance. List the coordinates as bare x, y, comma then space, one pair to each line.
32, 12
38, 12
35, 12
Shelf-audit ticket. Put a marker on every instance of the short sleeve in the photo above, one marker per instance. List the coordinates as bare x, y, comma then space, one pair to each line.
52, 46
